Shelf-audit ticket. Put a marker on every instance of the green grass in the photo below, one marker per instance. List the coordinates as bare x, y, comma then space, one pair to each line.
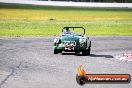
28, 20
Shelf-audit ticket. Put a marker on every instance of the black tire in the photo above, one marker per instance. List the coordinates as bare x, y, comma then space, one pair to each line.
88, 51
55, 51
77, 53
84, 53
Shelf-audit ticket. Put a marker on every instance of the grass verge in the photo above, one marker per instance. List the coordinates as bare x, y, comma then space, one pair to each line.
28, 20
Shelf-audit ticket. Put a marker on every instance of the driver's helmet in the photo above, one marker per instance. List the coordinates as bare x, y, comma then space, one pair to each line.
66, 31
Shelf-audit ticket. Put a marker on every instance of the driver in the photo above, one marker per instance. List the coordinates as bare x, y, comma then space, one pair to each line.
67, 31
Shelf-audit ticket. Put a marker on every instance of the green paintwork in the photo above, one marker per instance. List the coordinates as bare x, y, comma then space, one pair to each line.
72, 37
72, 42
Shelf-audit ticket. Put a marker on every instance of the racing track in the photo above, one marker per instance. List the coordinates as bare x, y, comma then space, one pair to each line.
30, 63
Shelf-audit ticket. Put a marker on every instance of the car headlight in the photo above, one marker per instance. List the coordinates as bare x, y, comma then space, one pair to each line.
82, 40
56, 40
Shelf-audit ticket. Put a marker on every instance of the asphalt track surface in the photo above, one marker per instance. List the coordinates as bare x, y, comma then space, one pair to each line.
30, 63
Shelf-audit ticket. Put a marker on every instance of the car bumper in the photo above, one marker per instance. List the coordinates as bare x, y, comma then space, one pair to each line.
73, 49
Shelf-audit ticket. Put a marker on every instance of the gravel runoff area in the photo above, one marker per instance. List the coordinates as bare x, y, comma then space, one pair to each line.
30, 62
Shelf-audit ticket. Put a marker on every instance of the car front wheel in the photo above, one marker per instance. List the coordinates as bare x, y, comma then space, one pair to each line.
88, 51
84, 53
55, 51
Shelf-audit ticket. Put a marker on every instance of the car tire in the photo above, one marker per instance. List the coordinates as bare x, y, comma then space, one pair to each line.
55, 51
88, 51
84, 53
77, 53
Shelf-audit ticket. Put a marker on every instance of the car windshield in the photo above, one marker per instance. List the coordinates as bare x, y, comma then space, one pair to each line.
73, 31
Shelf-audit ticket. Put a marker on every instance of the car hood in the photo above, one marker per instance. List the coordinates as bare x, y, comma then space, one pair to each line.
70, 38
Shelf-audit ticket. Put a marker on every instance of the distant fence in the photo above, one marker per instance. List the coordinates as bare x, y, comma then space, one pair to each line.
70, 4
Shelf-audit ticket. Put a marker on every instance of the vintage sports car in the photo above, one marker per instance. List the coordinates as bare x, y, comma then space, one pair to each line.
69, 41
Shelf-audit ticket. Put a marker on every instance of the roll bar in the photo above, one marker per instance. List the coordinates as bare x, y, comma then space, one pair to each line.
73, 29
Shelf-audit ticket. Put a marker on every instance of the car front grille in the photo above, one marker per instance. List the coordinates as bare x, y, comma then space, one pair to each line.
69, 43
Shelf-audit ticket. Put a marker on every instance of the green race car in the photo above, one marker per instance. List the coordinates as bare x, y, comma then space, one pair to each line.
72, 41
